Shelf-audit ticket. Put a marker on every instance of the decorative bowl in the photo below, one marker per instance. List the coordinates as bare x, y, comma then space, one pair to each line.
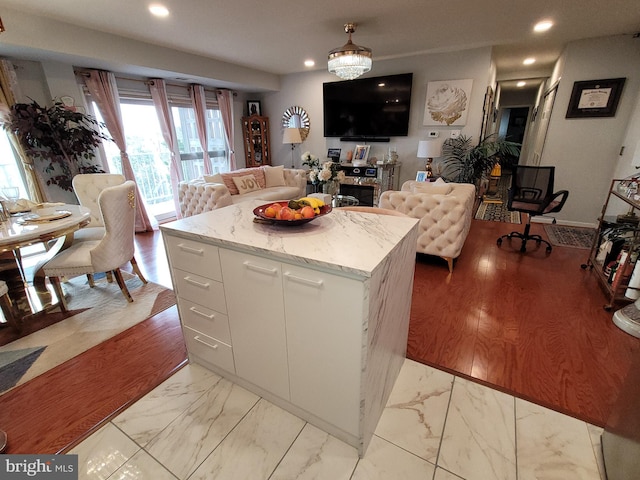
259, 213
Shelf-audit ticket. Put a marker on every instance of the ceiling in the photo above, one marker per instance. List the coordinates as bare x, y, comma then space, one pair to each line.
276, 36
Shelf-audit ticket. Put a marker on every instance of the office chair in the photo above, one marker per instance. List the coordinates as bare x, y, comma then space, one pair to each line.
532, 193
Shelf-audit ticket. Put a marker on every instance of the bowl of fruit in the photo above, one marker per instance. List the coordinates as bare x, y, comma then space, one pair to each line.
291, 212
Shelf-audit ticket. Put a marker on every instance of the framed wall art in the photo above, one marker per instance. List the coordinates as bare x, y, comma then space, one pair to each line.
595, 98
447, 102
253, 107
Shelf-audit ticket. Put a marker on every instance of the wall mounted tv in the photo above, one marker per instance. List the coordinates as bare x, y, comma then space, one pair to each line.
370, 109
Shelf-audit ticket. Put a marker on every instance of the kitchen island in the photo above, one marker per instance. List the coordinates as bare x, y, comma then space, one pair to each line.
313, 318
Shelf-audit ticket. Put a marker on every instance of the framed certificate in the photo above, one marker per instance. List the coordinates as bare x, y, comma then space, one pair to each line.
595, 98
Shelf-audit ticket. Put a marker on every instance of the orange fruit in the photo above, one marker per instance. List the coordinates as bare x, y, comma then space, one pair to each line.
297, 216
307, 212
276, 206
286, 213
270, 212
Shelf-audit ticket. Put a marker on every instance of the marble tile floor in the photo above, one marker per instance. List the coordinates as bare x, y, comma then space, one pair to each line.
197, 425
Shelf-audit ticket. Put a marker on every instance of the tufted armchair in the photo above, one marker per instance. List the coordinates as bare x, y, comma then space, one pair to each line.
445, 218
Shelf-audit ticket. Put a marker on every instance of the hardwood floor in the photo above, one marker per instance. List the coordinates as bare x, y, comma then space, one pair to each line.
530, 325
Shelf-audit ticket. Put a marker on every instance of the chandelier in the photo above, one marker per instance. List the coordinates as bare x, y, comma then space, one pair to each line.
350, 61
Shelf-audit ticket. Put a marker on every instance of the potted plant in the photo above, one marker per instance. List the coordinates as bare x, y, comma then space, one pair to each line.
62, 137
464, 162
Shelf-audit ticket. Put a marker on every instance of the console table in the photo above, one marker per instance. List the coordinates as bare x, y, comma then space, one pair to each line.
314, 317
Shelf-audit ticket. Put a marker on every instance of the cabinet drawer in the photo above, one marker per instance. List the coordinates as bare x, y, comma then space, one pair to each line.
209, 349
195, 257
205, 320
201, 290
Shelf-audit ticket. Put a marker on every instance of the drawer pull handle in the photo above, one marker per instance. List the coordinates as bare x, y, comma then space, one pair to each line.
260, 269
306, 281
184, 248
202, 314
197, 339
196, 283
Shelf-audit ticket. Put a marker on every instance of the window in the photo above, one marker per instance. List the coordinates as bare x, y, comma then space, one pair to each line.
189, 143
148, 154
10, 174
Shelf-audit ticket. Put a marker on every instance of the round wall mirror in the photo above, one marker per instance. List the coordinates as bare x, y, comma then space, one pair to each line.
296, 117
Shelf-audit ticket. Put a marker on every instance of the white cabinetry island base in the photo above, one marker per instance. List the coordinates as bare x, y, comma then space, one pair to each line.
314, 318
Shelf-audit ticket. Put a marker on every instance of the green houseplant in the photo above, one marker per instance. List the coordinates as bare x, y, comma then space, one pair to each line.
464, 162
63, 138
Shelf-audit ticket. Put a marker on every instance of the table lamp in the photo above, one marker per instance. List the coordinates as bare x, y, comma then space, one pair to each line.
292, 136
429, 149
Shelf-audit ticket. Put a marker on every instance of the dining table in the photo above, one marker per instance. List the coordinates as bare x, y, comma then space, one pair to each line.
51, 225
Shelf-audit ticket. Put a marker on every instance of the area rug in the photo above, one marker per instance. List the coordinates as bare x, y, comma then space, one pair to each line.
100, 313
566, 236
496, 212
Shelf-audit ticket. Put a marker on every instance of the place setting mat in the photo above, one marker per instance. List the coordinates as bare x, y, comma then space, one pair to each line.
45, 218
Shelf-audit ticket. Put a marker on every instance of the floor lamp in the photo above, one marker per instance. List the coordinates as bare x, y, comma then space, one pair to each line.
292, 136
429, 149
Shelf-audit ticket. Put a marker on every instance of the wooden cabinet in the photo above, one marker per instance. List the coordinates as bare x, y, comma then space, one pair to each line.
616, 246
255, 129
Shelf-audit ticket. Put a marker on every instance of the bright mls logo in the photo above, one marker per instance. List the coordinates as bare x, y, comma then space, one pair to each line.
51, 467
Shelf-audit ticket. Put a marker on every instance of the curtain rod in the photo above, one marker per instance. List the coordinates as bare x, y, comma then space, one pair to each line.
84, 73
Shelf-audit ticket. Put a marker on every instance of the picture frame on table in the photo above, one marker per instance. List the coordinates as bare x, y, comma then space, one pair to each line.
361, 153
334, 154
421, 176
595, 98
253, 107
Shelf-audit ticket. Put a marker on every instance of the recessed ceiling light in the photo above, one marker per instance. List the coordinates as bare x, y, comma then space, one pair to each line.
158, 10
529, 61
309, 63
521, 83
543, 26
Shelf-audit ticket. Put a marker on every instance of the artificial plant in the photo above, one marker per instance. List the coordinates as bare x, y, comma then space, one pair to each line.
60, 136
464, 162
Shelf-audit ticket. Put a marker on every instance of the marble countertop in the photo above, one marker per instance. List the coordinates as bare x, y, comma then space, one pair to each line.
351, 242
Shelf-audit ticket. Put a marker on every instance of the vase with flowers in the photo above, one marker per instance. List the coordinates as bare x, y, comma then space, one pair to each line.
326, 176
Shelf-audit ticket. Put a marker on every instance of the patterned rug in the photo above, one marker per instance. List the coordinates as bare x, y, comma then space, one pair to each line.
101, 313
575, 237
494, 208
497, 212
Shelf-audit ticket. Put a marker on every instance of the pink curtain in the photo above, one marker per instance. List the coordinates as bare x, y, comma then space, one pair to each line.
196, 92
103, 89
225, 103
158, 90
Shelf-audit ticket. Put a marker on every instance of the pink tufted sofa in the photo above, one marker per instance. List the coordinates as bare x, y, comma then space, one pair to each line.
217, 191
445, 212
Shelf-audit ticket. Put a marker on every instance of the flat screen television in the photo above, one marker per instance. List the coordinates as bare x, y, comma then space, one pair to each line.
368, 108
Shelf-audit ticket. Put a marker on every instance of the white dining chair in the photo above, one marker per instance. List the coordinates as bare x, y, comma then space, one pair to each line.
114, 249
87, 188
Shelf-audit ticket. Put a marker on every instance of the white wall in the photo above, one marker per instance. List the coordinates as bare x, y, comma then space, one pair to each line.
305, 90
585, 150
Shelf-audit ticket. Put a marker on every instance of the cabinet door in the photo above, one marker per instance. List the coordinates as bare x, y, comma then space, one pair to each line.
255, 307
324, 318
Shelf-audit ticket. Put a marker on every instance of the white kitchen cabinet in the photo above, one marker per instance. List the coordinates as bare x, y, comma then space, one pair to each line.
253, 286
324, 316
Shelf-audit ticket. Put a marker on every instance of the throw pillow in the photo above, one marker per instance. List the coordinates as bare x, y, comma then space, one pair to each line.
432, 188
274, 176
227, 178
217, 178
246, 184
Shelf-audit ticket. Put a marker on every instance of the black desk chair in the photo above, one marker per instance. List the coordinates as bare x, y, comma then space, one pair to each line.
532, 193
